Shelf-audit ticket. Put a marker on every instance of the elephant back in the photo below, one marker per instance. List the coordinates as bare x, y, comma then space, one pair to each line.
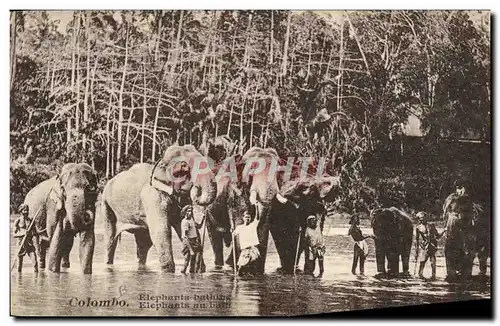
122, 192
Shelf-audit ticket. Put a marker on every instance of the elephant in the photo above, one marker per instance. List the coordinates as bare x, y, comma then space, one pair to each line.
393, 230
224, 214
66, 206
288, 218
467, 234
148, 199
250, 189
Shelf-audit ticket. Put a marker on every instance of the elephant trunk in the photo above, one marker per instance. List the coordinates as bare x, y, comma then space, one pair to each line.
204, 194
263, 191
78, 216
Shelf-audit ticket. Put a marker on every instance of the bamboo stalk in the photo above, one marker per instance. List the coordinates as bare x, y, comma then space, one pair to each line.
287, 41
144, 113
155, 127
120, 103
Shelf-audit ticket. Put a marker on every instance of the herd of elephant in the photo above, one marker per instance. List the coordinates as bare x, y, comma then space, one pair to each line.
145, 201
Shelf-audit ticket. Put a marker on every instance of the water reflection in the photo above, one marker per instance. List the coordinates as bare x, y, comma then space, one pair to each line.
124, 290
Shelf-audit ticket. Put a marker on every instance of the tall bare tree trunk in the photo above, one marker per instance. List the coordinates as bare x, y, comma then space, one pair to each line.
251, 118
246, 60
158, 36
129, 122
144, 114
87, 82
78, 75
13, 38
108, 139
287, 41
73, 71
271, 39
120, 104
230, 121
53, 76
176, 51
155, 127
341, 57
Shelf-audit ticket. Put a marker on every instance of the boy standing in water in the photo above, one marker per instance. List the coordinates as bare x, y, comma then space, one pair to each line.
427, 237
314, 246
360, 245
190, 239
21, 225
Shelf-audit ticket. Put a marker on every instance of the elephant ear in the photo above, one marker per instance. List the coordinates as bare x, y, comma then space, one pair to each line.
160, 175
93, 181
57, 192
159, 178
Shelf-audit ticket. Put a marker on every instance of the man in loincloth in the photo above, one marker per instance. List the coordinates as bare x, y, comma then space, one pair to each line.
427, 237
21, 225
314, 246
360, 245
248, 240
190, 238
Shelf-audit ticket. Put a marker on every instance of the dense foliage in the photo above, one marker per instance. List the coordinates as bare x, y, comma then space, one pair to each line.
113, 88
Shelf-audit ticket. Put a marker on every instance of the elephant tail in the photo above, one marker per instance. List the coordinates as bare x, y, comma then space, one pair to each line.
128, 228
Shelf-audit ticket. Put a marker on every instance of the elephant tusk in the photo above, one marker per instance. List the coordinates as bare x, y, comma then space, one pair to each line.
281, 199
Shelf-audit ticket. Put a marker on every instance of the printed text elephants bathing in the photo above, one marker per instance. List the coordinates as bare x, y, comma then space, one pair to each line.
147, 199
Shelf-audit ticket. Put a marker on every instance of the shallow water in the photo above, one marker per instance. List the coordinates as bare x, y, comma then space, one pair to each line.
219, 293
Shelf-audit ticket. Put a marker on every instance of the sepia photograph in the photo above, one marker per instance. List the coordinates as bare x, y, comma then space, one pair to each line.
249, 163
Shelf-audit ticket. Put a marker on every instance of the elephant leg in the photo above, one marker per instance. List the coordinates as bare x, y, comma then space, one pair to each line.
68, 244
216, 239
258, 266
109, 231
380, 256
450, 258
87, 244
162, 240
55, 248
405, 259
41, 255
143, 243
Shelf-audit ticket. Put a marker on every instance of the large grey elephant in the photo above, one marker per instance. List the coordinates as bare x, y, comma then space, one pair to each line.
467, 234
66, 207
393, 230
288, 218
148, 199
251, 190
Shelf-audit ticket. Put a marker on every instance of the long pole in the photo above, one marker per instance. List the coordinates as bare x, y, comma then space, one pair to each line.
26, 235
234, 256
297, 252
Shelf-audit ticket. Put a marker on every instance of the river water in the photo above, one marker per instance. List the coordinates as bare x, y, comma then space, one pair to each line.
148, 292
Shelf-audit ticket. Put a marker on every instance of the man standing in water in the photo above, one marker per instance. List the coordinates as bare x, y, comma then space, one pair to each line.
360, 245
427, 237
190, 238
314, 246
248, 240
21, 225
